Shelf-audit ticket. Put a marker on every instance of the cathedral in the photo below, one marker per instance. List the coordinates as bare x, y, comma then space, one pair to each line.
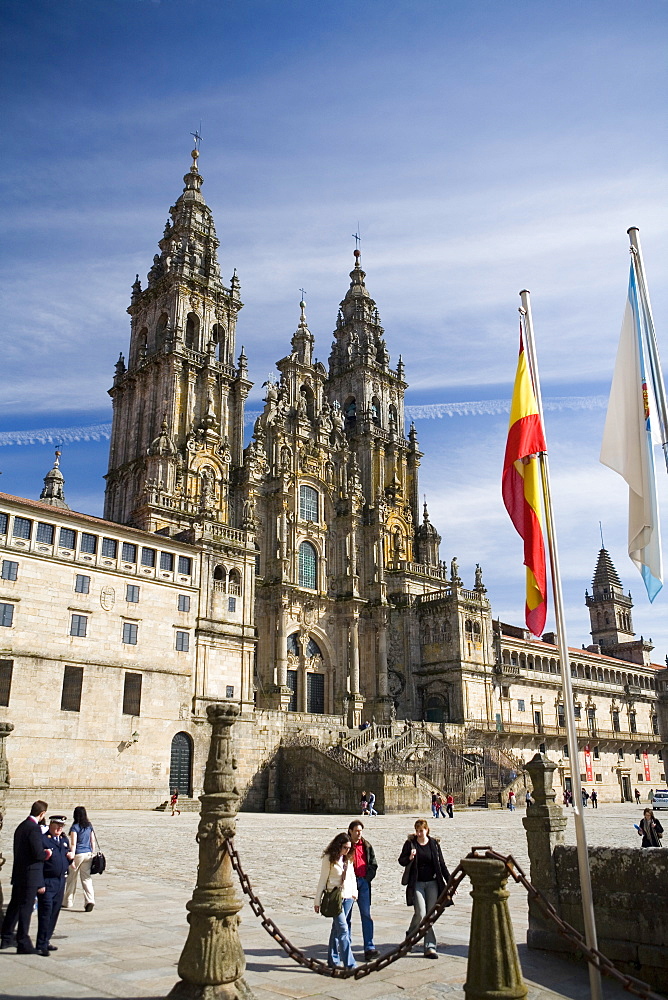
298, 575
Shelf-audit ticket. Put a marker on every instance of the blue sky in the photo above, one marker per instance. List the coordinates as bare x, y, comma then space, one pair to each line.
482, 148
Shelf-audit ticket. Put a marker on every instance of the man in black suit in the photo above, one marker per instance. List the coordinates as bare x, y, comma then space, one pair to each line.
27, 879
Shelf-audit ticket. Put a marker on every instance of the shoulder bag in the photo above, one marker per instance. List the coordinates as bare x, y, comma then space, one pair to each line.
99, 862
331, 903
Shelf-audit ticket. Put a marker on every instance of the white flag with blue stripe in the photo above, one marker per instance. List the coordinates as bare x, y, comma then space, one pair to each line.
630, 427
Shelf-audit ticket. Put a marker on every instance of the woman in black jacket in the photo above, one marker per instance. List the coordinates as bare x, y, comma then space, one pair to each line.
650, 830
425, 876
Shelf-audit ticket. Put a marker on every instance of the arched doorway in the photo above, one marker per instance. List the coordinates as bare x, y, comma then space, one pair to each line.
181, 765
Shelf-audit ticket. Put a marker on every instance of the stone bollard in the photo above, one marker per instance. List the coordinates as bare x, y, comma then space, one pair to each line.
544, 823
5, 730
212, 963
493, 971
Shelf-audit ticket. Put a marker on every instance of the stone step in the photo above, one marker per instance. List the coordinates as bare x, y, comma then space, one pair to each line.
183, 805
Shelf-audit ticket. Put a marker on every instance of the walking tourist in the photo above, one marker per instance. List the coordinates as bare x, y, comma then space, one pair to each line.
594, 798
174, 801
27, 880
528, 799
371, 804
511, 800
450, 805
55, 873
434, 805
585, 797
650, 830
365, 866
82, 839
440, 806
637, 795
337, 872
425, 876
364, 805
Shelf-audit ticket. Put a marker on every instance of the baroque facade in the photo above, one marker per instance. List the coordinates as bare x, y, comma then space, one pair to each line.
315, 595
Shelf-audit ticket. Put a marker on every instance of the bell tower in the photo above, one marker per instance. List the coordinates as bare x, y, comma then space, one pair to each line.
178, 404
609, 607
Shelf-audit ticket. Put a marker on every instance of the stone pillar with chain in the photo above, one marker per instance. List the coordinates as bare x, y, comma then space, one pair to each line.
212, 963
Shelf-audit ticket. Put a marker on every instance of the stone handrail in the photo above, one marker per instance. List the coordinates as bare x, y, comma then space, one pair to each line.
366, 736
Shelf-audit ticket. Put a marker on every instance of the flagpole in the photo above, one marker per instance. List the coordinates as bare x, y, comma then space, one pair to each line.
652, 346
572, 739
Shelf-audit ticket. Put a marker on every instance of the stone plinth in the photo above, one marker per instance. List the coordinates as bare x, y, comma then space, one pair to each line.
493, 971
544, 823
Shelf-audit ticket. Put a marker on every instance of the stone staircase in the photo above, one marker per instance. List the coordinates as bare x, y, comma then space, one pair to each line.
184, 805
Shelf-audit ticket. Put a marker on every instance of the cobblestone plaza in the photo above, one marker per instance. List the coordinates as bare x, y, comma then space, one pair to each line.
129, 945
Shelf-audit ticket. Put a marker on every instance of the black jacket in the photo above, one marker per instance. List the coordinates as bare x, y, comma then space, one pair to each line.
409, 877
651, 832
28, 867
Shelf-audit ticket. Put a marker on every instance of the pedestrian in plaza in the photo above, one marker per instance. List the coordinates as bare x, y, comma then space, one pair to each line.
84, 846
364, 805
174, 801
594, 798
637, 795
450, 805
55, 873
425, 876
650, 830
568, 798
27, 880
337, 872
371, 804
528, 799
434, 805
365, 867
585, 797
511, 800
440, 806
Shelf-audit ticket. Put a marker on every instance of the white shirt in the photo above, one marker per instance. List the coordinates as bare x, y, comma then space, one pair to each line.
331, 874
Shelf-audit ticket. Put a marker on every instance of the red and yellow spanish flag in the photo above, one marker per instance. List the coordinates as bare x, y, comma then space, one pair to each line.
521, 488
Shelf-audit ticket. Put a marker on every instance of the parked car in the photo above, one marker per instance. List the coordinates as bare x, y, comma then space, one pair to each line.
660, 799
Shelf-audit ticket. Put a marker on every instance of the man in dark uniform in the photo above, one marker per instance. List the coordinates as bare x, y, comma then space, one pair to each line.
55, 873
27, 880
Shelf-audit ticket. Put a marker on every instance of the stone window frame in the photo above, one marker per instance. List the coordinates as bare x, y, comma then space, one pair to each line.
130, 634
309, 503
64, 536
88, 543
6, 614
132, 593
70, 695
10, 570
6, 674
82, 583
148, 556
185, 566
167, 561
109, 548
183, 603
45, 532
308, 572
132, 685
79, 626
129, 552
4, 523
182, 641
22, 528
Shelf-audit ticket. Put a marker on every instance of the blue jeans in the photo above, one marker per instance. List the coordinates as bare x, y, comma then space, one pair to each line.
364, 903
339, 951
426, 894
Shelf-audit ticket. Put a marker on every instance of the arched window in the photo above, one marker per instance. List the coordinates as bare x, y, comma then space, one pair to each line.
160, 328
218, 335
308, 566
394, 423
312, 648
435, 709
293, 644
192, 332
350, 414
234, 583
220, 573
308, 503
142, 343
375, 411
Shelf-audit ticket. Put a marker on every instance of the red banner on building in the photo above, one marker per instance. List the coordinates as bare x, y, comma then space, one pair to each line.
588, 768
645, 760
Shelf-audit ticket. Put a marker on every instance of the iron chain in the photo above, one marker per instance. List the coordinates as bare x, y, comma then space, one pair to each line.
592, 955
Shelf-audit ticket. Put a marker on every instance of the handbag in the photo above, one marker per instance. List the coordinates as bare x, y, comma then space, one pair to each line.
99, 862
331, 903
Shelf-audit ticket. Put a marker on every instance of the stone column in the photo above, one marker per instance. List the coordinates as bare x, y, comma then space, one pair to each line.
493, 971
282, 693
356, 700
5, 730
212, 963
384, 701
544, 823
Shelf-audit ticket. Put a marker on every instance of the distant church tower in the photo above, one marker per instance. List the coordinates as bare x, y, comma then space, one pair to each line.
610, 615
177, 433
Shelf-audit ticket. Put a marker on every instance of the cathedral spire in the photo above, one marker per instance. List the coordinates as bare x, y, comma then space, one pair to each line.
303, 340
54, 482
609, 607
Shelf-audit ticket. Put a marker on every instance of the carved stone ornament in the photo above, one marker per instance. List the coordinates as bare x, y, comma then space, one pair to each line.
107, 598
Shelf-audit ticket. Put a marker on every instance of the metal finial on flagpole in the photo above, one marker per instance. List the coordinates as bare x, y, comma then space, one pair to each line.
572, 737
600, 528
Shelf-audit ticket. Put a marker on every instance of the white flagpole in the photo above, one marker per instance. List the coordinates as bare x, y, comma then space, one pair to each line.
572, 738
651, 344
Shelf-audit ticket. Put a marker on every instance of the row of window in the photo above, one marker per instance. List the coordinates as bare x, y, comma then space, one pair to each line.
70, 696
591, 718
24, 528
579, 670
79, 627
